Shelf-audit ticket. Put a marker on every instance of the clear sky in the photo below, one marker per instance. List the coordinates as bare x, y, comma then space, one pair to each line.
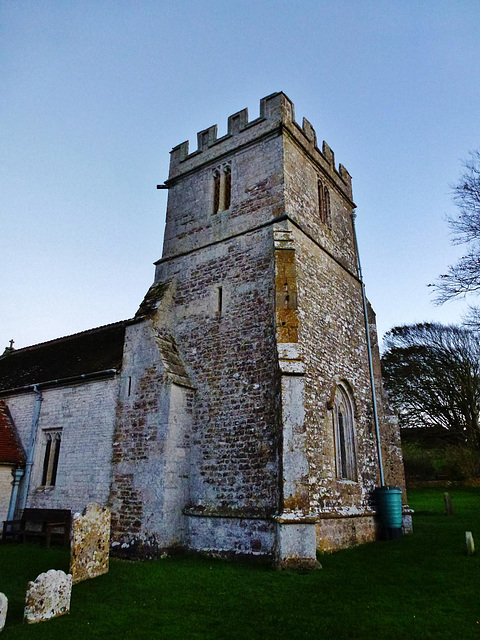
95, 94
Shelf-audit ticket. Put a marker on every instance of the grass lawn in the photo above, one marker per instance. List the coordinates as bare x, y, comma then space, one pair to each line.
423, 586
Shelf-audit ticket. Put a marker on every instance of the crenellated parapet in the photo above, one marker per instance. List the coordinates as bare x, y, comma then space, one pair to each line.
277, 115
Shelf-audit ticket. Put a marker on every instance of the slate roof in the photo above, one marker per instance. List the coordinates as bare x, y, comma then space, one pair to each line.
82, 353
10, 448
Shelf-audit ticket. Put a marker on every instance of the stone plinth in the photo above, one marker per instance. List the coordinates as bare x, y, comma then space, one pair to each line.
90, 543
48, 597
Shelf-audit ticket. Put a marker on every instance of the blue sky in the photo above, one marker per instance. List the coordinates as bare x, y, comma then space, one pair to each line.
95, 94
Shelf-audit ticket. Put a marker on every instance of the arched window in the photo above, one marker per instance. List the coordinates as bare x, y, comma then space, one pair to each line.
343, 421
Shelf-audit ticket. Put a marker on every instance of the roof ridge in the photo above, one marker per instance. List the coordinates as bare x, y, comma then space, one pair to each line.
72, 335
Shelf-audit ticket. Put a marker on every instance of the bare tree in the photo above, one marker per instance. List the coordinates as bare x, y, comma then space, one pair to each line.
464, 276
432, 374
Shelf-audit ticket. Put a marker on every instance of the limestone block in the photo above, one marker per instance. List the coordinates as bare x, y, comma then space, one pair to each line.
48, 597
90, 543
3, 609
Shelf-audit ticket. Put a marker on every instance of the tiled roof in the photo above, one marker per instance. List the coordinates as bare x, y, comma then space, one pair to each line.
82, 353
10, 448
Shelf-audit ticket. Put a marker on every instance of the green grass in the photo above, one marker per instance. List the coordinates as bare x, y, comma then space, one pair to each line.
423, 586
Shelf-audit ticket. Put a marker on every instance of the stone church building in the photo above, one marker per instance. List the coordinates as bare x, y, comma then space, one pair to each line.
233, 414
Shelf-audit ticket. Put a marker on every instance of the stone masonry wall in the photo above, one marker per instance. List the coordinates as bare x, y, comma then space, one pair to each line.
331, 334
5, 490
230, 357
85, 413
150, 449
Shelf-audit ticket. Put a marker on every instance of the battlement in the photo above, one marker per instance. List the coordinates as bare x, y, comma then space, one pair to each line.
277, 113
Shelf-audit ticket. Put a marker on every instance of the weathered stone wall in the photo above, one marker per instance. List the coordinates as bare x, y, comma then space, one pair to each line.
231, 360
232, 536
337, 533
5, 491
85, 413
150, 450
302, 172
227, 451
331, 335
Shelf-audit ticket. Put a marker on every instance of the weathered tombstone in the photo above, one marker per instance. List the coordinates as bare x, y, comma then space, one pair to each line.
48, 597
448, 504
3, 609
470, 543
90, 543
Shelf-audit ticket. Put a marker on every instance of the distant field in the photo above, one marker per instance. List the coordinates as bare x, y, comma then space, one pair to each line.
423, 586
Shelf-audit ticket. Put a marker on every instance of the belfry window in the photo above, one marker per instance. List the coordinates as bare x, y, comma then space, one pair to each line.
216, 191
227, 194
222, 188
345, 458
323, 203
50, 460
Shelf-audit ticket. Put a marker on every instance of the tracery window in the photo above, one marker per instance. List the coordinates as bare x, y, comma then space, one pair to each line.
53, 440
343, 421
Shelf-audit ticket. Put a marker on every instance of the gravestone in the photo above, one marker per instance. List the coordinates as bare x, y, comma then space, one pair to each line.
3, 609
470, 543
90, 543
448, 504
48, 597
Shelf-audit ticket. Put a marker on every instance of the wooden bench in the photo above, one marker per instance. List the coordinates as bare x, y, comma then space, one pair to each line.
44, 524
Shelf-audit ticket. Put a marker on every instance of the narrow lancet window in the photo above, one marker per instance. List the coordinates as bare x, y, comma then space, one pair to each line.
326, 200
216, 191
345, 457
222, 188
321, 203
227, 189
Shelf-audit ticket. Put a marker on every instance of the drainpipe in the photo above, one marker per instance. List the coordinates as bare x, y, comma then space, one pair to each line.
370, 359
31, 447
17, 476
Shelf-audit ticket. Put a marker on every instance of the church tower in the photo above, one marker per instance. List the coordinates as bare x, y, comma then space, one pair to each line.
245, 413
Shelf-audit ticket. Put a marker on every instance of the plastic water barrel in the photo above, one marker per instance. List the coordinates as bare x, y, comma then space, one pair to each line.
389, 506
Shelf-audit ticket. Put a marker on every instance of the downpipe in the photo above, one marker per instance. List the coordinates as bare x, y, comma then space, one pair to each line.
370, 358
31, 448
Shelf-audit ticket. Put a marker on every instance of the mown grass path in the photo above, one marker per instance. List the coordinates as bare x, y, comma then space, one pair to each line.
423, 586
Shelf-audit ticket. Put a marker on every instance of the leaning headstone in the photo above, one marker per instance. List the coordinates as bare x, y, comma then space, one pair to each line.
470, 543
90, 543
3, 609
48, 597
448, 504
